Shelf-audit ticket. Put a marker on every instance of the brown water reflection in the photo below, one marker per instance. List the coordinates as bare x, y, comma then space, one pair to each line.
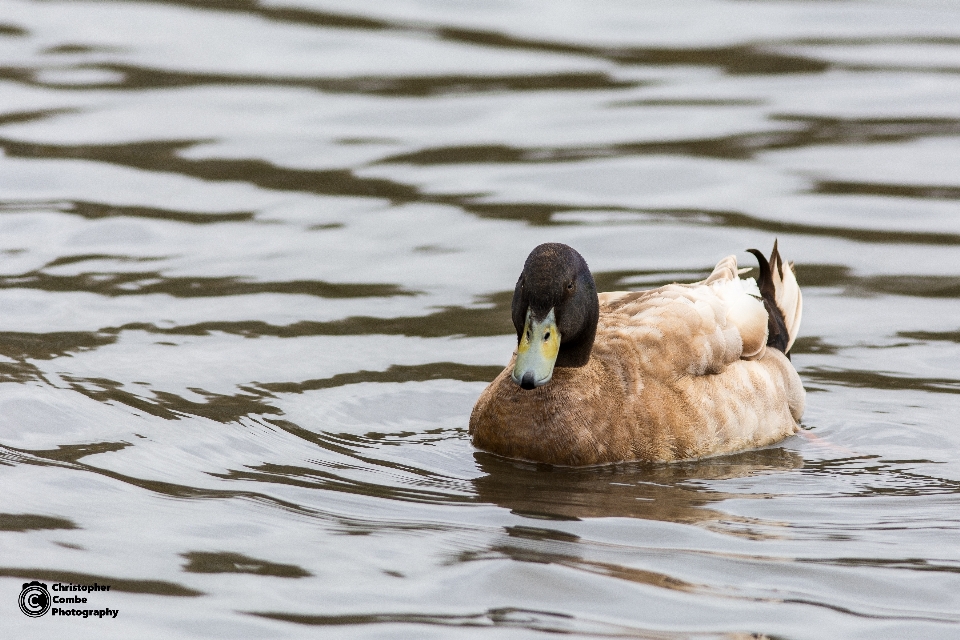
96, 210
208, 562
799, 132
501, 619
151, 587
32, 522
128, 77
670, 493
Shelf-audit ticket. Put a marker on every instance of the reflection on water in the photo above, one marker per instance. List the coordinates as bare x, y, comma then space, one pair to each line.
798, 132
256, 265
151, 587
670, 493
201, 562
499, 619
28, 522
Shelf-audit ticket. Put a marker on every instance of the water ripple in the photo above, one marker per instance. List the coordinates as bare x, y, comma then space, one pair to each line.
126, 77
151, 587
98, 210
506, 618
154, 282
798, 132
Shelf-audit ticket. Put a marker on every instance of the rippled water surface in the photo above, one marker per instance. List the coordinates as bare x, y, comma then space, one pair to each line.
255, 266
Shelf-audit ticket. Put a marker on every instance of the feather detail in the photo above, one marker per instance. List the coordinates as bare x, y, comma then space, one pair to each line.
789, 298
782, 297
744, 311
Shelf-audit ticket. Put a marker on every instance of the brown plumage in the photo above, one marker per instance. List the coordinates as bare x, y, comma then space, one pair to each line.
674, 373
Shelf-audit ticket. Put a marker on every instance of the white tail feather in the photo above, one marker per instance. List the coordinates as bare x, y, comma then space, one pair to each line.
745, 313
787, 294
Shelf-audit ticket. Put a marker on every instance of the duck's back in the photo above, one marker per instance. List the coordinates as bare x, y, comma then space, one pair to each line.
675, 373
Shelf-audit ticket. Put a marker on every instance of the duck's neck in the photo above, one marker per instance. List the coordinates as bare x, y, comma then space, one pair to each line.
576, 352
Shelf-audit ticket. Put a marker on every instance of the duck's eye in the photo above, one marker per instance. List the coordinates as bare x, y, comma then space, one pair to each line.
528, 334
546, 336
570, 285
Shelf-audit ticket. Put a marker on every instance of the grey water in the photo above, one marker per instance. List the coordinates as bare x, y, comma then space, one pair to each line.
256, 259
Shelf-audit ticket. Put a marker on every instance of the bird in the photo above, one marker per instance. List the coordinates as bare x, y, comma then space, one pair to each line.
680, 372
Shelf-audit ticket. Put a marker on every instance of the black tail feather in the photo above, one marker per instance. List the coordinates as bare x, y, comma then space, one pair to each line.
777, 335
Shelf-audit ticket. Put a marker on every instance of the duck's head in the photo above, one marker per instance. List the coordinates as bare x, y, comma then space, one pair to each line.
555, 311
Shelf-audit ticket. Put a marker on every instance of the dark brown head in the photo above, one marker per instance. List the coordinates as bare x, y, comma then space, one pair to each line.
555, 312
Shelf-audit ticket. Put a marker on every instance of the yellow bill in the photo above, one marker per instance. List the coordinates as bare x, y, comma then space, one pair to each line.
537, 352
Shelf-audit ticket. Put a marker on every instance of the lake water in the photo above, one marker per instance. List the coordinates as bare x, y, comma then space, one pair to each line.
255, 267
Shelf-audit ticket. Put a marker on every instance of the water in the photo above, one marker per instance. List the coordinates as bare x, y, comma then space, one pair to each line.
255, 268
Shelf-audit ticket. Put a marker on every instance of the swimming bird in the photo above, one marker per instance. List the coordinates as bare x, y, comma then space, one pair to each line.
681, 372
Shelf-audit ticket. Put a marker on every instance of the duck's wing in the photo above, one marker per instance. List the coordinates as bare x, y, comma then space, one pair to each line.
614, 300
693, 329
726, 269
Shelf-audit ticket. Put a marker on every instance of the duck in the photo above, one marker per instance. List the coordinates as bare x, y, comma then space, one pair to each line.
680, 372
